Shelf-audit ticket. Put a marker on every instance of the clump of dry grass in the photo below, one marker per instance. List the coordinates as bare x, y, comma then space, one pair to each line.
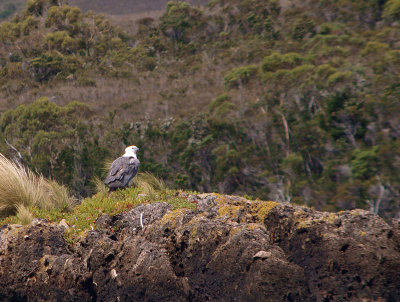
24, 216
20, 189
55, 196
99, 185
149, 184
146, 178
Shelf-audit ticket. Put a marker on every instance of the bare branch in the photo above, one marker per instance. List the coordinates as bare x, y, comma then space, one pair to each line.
18, 159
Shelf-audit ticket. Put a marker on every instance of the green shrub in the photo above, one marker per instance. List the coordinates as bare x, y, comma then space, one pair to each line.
374, 48
340, 77
29, 24
179, 19
221, 106
240, 76
277, 61
61, 41
365, 163
142, 59
51, 64
392, 9
57, 141
218, 101
322, 72
63, 17
303, 27
9, 31
181, 181
36, 7
293, 164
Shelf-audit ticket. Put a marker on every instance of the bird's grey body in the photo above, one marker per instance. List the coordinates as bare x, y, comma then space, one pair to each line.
122, 170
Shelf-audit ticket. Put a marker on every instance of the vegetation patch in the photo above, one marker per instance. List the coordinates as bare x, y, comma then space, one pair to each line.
260, 209
83, 216
21, 189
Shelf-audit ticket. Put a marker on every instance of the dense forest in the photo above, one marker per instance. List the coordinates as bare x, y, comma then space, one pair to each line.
294, 101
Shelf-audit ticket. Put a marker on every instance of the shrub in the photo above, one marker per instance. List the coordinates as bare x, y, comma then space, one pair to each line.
57, 141
29, 24
374, 48
322, 72
218, 101
142, 59
392, 9
277, 61
9, 31
36, 7
240, 76
303, 27
365, 163
293, 164
60, 17
178, 19
51, 64
61, 41
340, 77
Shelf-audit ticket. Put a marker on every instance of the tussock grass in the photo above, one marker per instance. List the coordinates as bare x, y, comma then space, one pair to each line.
146, 178
18, 186
55, 196
20, 189
24, 215
99, 185
149, 185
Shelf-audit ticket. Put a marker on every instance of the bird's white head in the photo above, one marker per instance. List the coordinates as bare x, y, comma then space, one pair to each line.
131, 151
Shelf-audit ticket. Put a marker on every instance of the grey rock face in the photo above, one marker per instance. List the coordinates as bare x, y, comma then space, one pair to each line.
229, 249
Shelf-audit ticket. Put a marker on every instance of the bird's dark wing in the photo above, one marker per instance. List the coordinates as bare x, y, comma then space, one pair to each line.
118, 165
122, 167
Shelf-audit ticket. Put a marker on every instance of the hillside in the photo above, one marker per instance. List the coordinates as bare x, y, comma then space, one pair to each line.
10, 7
123, 7
282, 100
229, 248
113, 9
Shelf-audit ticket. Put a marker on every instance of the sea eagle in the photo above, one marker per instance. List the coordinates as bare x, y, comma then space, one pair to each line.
123, 169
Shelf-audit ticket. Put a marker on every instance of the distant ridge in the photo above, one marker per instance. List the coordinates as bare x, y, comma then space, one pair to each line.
120, 7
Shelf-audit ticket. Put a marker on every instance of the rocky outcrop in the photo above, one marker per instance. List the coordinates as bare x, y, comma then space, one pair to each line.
229, 249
